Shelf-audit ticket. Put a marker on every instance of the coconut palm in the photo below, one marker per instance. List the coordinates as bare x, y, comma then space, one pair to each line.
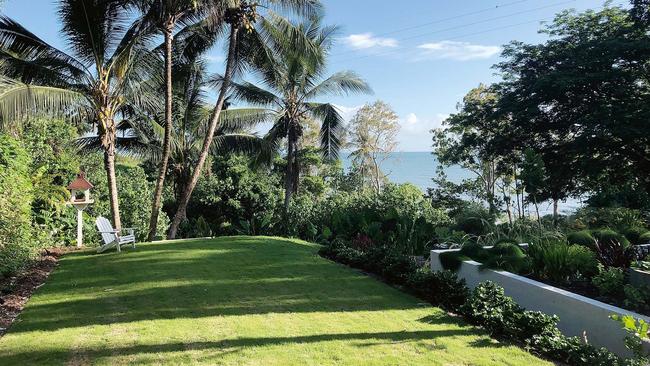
142, 133
292, 82
248, 31
165, 16
108, 71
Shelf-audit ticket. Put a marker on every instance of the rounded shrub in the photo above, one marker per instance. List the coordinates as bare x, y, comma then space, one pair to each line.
508, 257
507, 249
583, 238
474, 251
634, 234
474, 220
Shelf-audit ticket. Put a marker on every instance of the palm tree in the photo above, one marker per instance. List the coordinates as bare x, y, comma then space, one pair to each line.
110, 70
165, 15
292, 78
245, 41
142, 133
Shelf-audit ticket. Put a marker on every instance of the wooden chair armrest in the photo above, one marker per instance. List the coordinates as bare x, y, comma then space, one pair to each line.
109, 232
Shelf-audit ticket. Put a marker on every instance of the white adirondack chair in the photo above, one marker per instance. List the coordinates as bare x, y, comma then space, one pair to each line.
113, 238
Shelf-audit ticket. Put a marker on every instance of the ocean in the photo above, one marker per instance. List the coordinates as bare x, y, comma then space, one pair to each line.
419, 168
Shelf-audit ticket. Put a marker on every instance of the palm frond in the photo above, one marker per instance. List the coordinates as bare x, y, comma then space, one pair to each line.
331, 128
19, 100
258, 148
340, 83
27, 58
242, 119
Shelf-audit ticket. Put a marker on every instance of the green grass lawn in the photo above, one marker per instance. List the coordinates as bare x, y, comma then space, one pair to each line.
235, 301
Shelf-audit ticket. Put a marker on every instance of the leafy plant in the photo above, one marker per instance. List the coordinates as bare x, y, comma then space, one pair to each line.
637, 298
611, 251
490, 307
560, 262
610, 281
637, 330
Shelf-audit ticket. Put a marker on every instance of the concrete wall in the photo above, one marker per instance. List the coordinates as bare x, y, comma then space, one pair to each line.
578, 314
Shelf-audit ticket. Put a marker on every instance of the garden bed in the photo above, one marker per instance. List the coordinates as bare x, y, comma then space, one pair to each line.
579, 315
16, 290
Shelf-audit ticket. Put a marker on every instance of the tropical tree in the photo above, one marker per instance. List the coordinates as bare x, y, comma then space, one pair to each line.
109, 71
165, 16
373, 133
248, 32
292, 81
142, 132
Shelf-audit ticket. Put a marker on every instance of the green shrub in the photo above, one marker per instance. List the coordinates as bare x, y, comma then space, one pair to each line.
610, 281
559, 262
134, 192
474, 220
18, 240
634, 234
441, 288
583, 261
583, 238
637, 298
618, 218
506, 256
489, 307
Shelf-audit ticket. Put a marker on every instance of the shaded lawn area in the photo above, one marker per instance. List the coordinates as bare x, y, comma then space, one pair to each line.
235, 301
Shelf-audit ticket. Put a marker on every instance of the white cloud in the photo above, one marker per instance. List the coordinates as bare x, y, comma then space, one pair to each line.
414, 134
461, 51
411, 119
367, 40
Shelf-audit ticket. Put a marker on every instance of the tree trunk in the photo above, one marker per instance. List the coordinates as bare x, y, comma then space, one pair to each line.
160, 182
288, 179
555, 210
205, 150
296, 172
109, 166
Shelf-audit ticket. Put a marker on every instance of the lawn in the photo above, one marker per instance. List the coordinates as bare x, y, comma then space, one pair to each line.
235, 301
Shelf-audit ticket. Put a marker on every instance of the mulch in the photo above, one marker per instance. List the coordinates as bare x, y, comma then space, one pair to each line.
16, 290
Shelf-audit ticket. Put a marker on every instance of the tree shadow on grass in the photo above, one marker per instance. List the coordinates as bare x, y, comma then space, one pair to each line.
229, 346
223, 277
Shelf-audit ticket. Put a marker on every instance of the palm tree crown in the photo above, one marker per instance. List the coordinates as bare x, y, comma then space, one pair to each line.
109, 70
292, 75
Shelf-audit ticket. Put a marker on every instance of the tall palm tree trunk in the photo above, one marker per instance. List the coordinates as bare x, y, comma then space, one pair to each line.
187, 193
288, 179
160, 182
109, 167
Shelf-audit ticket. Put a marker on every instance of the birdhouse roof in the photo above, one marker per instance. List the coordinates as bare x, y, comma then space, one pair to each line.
80, 184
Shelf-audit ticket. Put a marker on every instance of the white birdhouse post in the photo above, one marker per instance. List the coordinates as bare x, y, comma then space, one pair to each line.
80, 199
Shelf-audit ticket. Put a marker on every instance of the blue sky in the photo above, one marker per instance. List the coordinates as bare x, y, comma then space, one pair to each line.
421, 58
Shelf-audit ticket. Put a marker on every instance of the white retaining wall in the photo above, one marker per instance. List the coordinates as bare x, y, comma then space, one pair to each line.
578, 314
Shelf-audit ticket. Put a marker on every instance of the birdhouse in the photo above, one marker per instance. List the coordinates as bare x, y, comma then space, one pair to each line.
80, 199
80, 190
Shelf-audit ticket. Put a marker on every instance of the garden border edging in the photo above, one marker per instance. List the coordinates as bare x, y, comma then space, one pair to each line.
579, 315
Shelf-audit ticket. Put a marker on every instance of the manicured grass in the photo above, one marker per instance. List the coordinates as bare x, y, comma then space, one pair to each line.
235, 301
